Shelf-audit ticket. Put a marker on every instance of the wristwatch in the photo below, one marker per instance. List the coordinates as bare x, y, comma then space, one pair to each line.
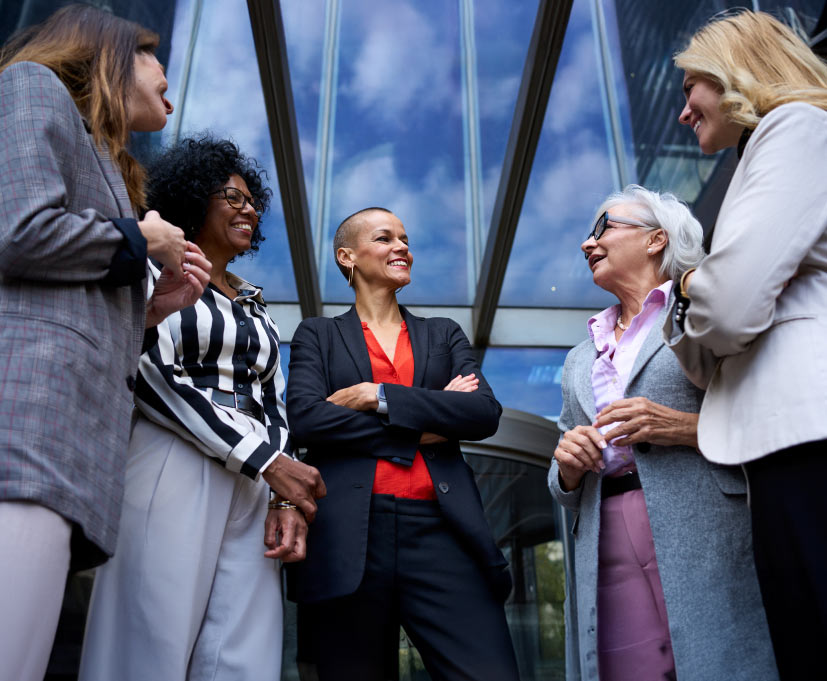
383, 402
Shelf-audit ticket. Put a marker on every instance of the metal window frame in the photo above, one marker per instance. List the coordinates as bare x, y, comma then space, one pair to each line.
271, 51
529, 114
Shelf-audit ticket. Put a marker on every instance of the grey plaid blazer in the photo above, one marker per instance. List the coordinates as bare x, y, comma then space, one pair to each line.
72, 306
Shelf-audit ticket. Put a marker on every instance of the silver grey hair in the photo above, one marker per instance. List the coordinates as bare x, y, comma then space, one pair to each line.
685, 236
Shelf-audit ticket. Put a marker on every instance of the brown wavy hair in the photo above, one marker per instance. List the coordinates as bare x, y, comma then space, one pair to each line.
93, 53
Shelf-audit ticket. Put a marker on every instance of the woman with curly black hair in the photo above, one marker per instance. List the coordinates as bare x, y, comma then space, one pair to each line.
189, 594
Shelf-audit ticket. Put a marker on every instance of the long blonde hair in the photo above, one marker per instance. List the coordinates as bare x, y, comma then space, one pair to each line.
93, 54
759, 64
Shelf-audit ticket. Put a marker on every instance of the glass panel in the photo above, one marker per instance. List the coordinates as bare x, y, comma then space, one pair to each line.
527, 378
612, 120
526, 525
217, 87
399, 108
644, 36
572, 173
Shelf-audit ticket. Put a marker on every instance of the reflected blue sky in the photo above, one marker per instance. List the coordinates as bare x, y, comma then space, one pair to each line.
527, 378
571, 176
397, 123
224, 96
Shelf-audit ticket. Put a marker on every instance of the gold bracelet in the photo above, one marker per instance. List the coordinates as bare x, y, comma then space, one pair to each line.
682, 287
282, 505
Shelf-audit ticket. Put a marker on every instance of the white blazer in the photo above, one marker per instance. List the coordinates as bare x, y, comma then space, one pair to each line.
756, 330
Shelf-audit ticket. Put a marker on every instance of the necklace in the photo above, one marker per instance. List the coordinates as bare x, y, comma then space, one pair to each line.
621, 325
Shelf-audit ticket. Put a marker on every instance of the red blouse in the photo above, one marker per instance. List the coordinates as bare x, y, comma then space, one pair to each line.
410, 482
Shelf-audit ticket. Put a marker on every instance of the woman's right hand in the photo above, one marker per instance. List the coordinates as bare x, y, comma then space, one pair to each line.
579, 450
164, 241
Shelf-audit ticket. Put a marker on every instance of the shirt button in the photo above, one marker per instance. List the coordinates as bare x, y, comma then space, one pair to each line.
444, 487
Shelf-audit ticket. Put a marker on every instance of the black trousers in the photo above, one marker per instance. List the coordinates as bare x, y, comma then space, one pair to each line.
788, 501
417, 575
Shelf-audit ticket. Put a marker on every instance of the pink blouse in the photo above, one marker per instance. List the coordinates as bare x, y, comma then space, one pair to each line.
611, 369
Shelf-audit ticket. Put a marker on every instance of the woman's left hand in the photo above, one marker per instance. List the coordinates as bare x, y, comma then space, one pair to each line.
285, 535
361, 397
641, 420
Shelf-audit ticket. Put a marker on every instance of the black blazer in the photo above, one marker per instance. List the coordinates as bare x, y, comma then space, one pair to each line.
329, 354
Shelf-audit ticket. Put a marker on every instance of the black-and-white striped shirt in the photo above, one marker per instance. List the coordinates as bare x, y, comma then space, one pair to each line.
224, 344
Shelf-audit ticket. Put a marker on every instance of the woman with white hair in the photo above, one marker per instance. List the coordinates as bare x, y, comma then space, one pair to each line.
665, 583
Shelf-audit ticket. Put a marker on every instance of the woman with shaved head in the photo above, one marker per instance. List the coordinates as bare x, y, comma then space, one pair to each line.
380, 398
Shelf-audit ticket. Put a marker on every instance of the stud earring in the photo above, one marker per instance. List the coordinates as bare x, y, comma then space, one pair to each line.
350, 277
649, 251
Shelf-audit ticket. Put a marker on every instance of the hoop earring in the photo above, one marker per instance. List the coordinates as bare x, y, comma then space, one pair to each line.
350, 277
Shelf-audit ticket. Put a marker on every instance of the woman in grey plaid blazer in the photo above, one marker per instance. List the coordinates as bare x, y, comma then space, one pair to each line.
72, 303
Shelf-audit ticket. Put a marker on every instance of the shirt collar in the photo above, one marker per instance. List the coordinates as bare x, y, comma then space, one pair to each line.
245, 289
603, 323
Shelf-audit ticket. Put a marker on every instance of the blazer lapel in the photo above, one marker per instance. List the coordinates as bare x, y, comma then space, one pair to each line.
653, 343
350, 326
418, 333
583, 382
113, 179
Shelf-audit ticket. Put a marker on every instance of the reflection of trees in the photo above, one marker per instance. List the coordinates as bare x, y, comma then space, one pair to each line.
524, 520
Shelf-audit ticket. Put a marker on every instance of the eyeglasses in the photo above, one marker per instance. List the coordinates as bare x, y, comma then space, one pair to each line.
602, 224
238, 199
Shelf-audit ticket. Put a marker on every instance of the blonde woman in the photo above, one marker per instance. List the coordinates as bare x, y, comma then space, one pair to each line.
749, 323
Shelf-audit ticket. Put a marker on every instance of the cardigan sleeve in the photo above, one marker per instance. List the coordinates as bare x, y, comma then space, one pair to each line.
570, 499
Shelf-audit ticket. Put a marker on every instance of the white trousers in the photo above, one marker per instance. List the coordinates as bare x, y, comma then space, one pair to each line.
34, 562
189, 595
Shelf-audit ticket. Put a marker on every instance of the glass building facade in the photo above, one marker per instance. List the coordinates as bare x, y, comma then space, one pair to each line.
493, 129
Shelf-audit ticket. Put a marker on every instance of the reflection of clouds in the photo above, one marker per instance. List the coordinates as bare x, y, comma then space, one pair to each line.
304, 24
554, 222
395, 69
497, 96
571, 176
575, 87
433, 212
225, 98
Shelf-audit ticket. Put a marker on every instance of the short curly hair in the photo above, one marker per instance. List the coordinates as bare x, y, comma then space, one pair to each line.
184, 175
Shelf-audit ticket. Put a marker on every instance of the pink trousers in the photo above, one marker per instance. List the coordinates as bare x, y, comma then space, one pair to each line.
632, 629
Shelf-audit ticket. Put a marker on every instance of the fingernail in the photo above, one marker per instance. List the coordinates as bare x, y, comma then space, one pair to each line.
602, 465
603, 444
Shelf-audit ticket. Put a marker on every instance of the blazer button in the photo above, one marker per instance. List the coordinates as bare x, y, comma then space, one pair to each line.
644, 447
130, 383
430, 455
444, 487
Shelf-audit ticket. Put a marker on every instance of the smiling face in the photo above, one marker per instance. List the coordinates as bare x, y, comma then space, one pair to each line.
620, 256
379, 252
146, 107
228, 231
714, 130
